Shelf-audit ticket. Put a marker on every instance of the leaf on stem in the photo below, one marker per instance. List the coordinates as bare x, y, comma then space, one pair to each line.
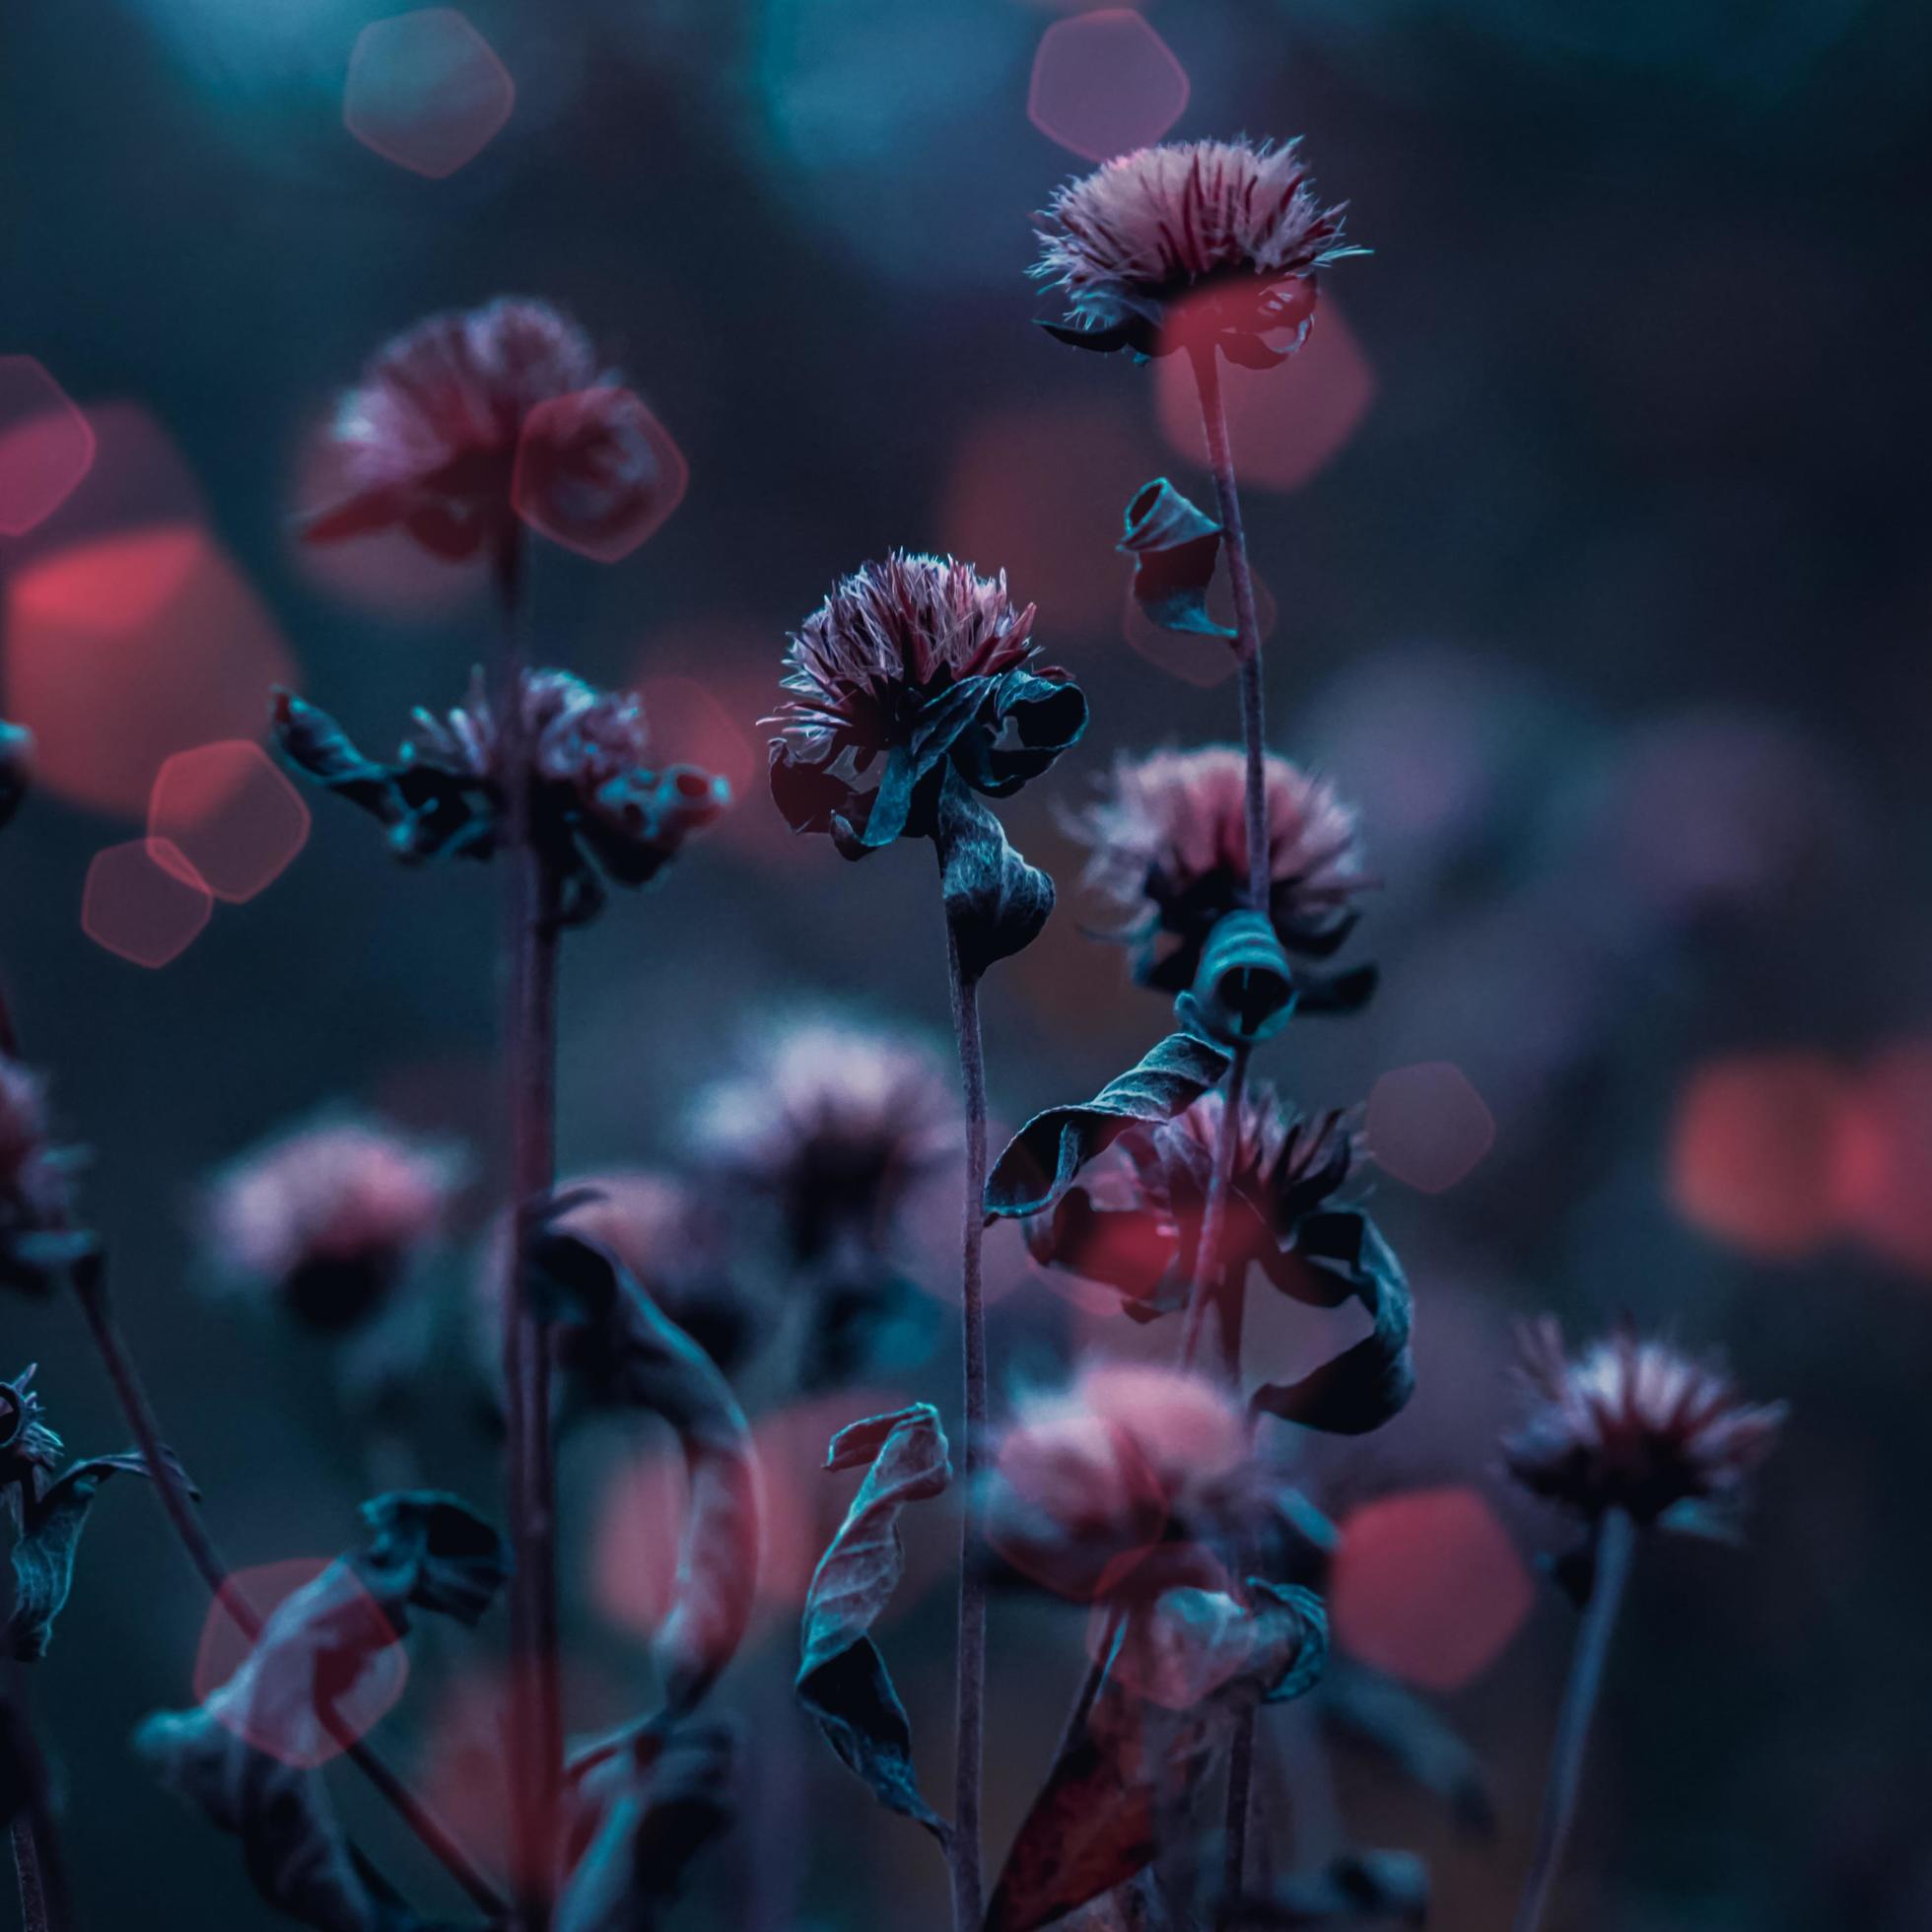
1174, 546
843, 1681
996, 902
1244, 990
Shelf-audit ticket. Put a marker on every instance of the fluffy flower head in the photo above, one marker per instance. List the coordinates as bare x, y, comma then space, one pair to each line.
1632, 1424
575, 734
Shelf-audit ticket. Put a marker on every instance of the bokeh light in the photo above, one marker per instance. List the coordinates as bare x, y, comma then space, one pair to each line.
232, 814
144, 901
1104, 83
47, 446
1885, 1156
1428, 1587
561, 488
426, 91
1428, 1125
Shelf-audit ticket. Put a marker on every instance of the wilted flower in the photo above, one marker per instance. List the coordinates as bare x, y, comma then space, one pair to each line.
1088, 1483
36, 1194
1234, 229
921, 663
1168, 845
16, 767
596, 808
1635, 1425
431, 438
30, 1451
328, 1217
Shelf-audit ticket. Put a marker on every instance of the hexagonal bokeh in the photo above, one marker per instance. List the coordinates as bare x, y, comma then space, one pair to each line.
1428, 1587
232, 814
298, 1735
1885, 1153
598, 472
47, 446
144, 901
426, 91
1427, 1126
1105, 82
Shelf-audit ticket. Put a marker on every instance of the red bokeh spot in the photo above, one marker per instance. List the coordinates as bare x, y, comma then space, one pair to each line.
687, 725
598, 472
1755, 1152
47, 446
232, 814
125, 650
285, 1723
1885, 1156
1428, 1587
426, 91
1105, 82
1285, 424
144, 901
1427, 1126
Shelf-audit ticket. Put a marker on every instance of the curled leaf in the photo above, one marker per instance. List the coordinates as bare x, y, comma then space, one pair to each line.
615, 1335
1174, 546
843, 1681
1041, 1160
311, 740
996, 902
1243, 989
1360, 1887
1365, 1385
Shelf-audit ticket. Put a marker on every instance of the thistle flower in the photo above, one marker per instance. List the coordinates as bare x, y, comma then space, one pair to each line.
430, 436
30, 1451
1231, 229
920, 662
596, 810
16, 767
1087, 1484
1635, 1425
35, 1193
327, 1218
1167, 840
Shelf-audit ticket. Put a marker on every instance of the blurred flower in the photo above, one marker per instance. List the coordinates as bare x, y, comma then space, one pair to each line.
596, 810
328, 1217
1167, 839
16, 767
30, 1451
1634, 1425
1087, 1484
921, 663
1233, 227
431, 434
36, 1196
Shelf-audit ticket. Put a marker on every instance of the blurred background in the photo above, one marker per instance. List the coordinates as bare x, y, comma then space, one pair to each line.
1598, 579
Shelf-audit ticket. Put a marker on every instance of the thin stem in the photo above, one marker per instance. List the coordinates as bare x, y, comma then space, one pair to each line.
34, 1915
1240, 1790
45, 1905
529, 948
1615, 1546
968, 1896
1210, 1284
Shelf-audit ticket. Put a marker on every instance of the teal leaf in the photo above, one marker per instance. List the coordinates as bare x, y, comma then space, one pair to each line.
1174, 546
996, 902
1243, 989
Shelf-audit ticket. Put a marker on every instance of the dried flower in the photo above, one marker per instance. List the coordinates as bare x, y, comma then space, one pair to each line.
596, 810
1634, 1424
430, 436
30, 1451
1234, 228
1167, 839
924, 663
36, 1184
1088, 1483
328, 1217
16, 767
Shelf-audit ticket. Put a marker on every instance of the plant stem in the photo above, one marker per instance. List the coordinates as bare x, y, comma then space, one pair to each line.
1212, 1285
1240, 1790
1615, 1546
44, 1905
529, 948
968, 1895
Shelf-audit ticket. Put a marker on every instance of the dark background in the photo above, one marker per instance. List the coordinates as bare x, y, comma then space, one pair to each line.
1609, 612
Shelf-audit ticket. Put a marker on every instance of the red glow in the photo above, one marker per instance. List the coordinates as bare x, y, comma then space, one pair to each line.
1428, 1587
144, 901
233, 816
1285, 424
1885, 1156
1427, 1126
122, 650
47, 446
565, 456
426, 91
1754, 1152
1105, 82
688, 727
284, 1722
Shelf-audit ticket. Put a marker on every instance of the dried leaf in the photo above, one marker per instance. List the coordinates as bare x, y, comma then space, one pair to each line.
1357, 1886
1244, 990
996, 902
613, 1333
1041, 1160
1174, 546
843, 1681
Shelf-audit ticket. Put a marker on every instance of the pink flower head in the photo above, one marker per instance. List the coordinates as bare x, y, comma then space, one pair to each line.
1167, 841
36, 1194
923, 662
329, 1216
1087, 1482
1632, 1424
430, 438
1234, 226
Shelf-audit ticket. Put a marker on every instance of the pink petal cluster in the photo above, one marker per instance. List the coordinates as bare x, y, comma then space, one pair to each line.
1275, 1145
578, 735
1147, 226
1172, 819
1632, 1424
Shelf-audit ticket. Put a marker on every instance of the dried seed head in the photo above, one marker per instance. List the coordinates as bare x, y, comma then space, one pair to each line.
576, 734
30, 1451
